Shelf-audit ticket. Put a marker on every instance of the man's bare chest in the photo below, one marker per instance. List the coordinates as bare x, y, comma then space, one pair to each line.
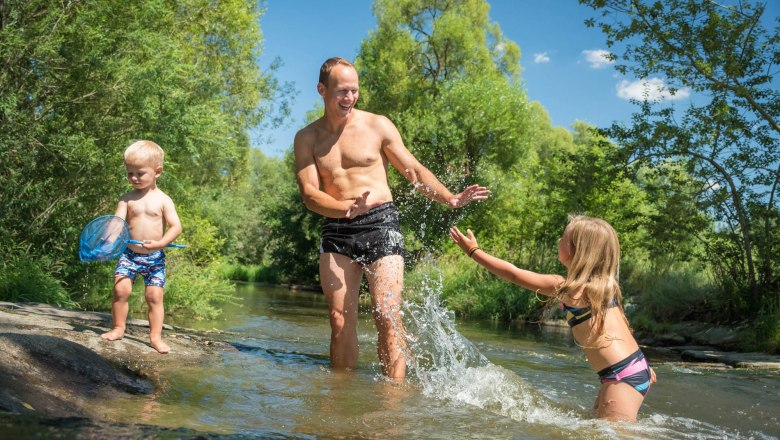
347, 153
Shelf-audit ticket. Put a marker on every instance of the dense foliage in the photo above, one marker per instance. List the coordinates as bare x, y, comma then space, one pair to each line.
728, 138
692, 192
80, 81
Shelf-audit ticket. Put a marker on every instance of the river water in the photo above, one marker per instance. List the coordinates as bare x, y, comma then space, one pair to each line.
467, 380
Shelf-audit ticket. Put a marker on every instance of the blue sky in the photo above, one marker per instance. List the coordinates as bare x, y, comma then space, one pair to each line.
559, 56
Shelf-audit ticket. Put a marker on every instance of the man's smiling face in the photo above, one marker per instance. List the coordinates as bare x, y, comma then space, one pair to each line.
341, 92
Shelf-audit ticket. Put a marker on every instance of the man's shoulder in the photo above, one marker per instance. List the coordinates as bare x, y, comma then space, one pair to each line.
307, 135
310, 129
373, 121
366, 116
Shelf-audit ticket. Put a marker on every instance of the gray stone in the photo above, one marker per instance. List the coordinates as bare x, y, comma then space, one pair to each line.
54, 360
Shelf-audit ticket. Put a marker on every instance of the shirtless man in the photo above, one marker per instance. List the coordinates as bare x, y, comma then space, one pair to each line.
341, 163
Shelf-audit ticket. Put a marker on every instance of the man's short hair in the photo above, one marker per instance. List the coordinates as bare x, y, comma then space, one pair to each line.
328, 65
145, 151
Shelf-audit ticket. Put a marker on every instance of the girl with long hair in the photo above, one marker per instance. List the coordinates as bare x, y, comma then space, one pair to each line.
591, 297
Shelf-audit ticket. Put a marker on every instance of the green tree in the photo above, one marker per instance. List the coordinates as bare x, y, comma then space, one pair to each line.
450, 81
728, 137
419, 44
81, 79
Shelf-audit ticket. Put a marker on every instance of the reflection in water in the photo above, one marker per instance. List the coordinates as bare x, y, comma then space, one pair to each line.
151, 407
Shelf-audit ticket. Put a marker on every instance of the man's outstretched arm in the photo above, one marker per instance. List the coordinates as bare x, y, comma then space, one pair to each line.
419, 176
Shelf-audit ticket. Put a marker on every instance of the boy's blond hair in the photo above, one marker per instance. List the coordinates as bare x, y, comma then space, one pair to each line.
145, 151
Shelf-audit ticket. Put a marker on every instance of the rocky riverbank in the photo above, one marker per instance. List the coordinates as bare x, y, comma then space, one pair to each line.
54, 363
698, 342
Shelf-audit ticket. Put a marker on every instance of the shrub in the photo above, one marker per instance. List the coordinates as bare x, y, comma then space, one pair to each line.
471, 291
674, 295
25, 280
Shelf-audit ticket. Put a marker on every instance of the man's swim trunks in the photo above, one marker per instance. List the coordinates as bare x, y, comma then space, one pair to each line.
365, 238
632, 370
150, 266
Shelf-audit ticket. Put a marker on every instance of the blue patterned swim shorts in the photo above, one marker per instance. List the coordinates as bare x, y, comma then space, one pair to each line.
150, 266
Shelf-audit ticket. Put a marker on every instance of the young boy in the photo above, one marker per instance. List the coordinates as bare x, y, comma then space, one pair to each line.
147, 210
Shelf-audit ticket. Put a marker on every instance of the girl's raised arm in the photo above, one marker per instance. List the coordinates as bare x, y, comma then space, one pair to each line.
536, 282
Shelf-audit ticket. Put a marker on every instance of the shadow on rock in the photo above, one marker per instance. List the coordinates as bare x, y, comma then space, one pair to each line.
47, 374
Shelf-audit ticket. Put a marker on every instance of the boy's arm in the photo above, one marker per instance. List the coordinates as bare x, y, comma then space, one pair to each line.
418, 175
536, 282
121, 209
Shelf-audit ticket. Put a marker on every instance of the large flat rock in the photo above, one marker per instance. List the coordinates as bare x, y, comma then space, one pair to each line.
54, 360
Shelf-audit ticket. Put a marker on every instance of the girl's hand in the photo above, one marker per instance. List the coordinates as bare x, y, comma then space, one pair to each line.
465, 243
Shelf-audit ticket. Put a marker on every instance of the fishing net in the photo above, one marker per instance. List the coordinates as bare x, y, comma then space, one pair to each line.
103, 239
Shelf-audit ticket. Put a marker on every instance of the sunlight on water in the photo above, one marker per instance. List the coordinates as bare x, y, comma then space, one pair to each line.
447, 366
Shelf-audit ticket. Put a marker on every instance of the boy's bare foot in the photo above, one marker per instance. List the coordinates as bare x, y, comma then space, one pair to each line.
160, 346
113, 334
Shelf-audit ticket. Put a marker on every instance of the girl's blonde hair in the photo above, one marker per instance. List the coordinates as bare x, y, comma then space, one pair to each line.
594, 267
145, 151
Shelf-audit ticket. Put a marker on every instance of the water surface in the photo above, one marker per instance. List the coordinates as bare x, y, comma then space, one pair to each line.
467, 380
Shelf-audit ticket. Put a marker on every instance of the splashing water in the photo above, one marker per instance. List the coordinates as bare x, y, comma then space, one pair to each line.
448, 366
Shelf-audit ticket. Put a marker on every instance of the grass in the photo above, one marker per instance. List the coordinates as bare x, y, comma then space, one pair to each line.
25, 280
469, 290
249, 274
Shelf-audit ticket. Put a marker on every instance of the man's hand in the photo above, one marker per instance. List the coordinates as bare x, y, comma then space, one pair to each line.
360, 206
470, 194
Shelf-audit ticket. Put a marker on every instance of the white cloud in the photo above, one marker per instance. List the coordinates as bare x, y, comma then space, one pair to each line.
653, 89
597, 58
541, 58
711, 185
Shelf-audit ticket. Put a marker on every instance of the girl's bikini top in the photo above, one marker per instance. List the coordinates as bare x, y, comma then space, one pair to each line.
576, 315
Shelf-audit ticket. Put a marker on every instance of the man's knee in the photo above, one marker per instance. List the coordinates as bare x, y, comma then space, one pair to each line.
339, 323
386, 320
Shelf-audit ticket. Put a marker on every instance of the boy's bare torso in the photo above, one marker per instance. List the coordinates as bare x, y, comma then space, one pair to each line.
145, 215
351, 162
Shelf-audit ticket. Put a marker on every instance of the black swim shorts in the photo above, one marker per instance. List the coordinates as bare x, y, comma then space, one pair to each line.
365, 238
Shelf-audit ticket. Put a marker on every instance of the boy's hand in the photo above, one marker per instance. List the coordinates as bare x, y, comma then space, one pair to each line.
470, 194
153, 245
465, 243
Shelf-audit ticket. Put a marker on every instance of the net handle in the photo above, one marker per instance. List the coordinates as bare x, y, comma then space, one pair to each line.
170, 245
